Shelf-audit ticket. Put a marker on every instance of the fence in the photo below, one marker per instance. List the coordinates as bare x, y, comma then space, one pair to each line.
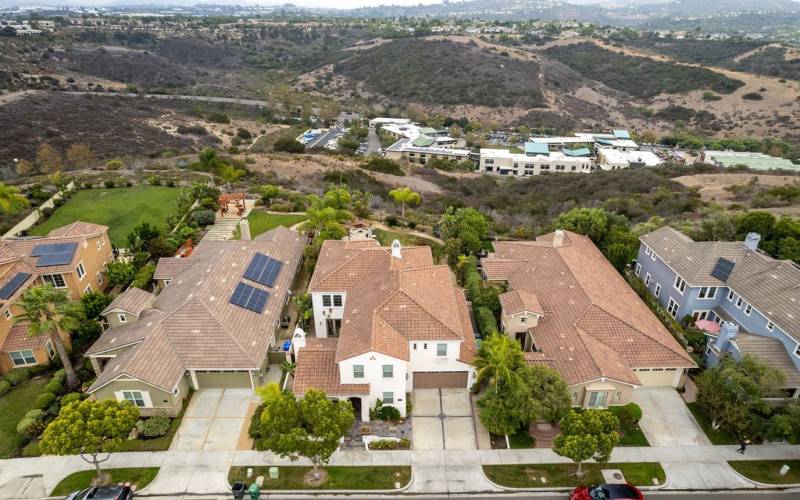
33, 217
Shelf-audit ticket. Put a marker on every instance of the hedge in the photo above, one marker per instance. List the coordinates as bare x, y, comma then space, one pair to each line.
153, 427
53, 387
31, 424
70, 398
4, 387
45, 400
18, 376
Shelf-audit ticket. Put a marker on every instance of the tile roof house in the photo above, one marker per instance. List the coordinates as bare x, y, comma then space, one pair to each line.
386, 320
127, 306
582, 319
213, 326
754, 298
71, 258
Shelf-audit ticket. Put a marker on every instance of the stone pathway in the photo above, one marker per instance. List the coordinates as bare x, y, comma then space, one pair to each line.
222, 230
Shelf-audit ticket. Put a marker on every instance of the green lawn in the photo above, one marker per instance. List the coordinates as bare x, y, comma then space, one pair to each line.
339, 478
260, 222
767, 471
13, 406
385, 238
715, 436
562, 475
121, 209
522, 439
139, 476
160, 443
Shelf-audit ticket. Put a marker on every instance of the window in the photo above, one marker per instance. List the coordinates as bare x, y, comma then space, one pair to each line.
797, 350
167, 282
50, 351
653, 256
647, 280
647, 250
770, 325
7, 314
56, 280
441, 350
99, 277
523, 319
672, 308
22, 358
680, 284
326, 301
638, 269
658, 290
415, 346
388, 371
88, 288
388, 398
358, 371
731, 295
425, 346
707, 292
81, 271
739, 302
122, 318
331, 300
337, 301
748, 309
597, 399
99, 246
135, 397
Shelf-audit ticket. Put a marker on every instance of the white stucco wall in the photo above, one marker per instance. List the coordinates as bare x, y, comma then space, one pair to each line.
426, 360
373, 374
321, 312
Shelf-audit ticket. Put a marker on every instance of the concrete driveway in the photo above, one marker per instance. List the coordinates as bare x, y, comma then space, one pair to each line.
215, 420
442, 419
666, 421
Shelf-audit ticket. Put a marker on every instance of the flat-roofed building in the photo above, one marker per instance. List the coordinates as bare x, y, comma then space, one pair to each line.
504, 162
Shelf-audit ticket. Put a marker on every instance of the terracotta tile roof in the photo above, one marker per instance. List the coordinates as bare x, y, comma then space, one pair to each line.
78, 229
194, 326
594, 325
19, 339
392, 301
77, 232
133, 300
169, 267
772, 352
317, 369
519, 301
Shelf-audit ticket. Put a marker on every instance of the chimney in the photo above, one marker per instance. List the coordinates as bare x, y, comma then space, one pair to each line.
397, 250
558, 238
727, 332
298, 339
751, 241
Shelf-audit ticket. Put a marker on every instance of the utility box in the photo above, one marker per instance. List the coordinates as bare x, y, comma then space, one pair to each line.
273, 473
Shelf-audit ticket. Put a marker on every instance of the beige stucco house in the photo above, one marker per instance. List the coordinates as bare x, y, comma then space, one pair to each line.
572, 311
127, 306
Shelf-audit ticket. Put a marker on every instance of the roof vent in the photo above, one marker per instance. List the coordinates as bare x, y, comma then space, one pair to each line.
558, 238
751, 241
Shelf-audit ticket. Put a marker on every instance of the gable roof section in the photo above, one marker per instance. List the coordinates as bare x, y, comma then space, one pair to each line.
75, 233
133, 300
78, 229
169, 267
520, 301
594, 325
317, 369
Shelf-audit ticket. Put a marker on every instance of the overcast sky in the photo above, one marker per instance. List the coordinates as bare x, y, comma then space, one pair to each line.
341, 4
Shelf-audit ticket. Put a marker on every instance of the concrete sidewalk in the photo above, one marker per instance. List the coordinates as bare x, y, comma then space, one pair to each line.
435, 471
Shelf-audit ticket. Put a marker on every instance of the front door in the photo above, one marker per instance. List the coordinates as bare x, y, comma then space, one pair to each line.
597, 399
334, 325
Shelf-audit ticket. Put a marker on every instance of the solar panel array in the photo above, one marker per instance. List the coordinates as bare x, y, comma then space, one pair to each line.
723, 269
249, 297
54, 254
13, 285
263, 269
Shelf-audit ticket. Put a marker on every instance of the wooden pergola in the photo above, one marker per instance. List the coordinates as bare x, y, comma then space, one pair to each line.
225, 200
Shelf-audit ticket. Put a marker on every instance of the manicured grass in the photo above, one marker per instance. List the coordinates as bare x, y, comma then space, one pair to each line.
385, 238
139, 476
767, 471
522, 439
632, 436
121, 209
563, 475
339, 478
716, 436
261, 222
13, 406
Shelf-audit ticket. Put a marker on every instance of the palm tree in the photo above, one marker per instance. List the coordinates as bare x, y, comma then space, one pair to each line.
405, 195
498, 360
11, 202
50, 312
319, 213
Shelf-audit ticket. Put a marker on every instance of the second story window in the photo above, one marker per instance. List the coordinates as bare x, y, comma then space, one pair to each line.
337, 301
730, 295
647, 251
388, 371
680, 284
707, 292
122, 318
647, 280
358, 371
638, 269
739, 302
326, 301
7, 314
81, 271
748, 309
770, 325
657, 291
56, 280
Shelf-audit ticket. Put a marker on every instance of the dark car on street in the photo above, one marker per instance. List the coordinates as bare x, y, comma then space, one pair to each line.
606, 492
103, 493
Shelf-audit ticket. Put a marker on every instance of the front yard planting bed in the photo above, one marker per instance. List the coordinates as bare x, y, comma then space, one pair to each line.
339, 478
121, 209
767, 471
136, 476
260, 221
13, 406
160, 443
716, 436
563, 475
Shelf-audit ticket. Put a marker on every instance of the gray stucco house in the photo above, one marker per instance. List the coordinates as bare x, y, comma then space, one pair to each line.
753, 297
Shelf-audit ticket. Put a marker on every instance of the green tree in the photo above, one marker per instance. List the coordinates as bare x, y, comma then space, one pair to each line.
90, 428
321, 211
550, 399
11, 202
589, 435
229, 173
498, 361
208, 158
591, 222
405, 196
310, 427
93, 304
269, 192
360, 203
463, 231
288, 145
139, 238
302, 303
755, 222
120, 272
789, 249
47, 311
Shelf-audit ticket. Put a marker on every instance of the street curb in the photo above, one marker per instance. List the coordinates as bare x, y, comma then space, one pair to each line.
758, 484
563, 488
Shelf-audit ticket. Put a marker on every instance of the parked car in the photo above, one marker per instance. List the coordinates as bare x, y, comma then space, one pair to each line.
102, 493
606, 492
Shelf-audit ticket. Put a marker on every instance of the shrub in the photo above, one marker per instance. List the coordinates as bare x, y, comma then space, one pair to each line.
385, 165
192, 129
120, 273
288, 145
153, 427
70, 398
171, 183
628, 414
60, 375
753, 96
45, 400
115, 164
109, 184
392, 221
17, 376
32, 424
53, 387
280, 207
46, 211
203, 217
390, 444
486, 321
242, 133
217, 117
144, 276
254, 431
88, 185
4, 387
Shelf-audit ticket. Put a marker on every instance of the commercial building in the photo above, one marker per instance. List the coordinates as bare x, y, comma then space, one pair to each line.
755, 161
422, 152
536, 160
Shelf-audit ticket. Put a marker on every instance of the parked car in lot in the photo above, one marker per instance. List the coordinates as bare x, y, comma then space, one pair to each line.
606, 492
103, 493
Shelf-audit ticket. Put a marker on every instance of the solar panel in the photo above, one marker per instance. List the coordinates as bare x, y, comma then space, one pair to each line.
249, 297
13, 285
54, 259
54, 254
39, 250
723, 269
263, 269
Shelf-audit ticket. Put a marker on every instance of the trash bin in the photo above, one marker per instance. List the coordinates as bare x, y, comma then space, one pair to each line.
238, 489
254, 491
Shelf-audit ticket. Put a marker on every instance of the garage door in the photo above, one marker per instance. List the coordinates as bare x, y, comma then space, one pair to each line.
223, 380
657, 377
440, 380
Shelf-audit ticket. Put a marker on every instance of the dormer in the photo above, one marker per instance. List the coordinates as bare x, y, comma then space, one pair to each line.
520, 311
